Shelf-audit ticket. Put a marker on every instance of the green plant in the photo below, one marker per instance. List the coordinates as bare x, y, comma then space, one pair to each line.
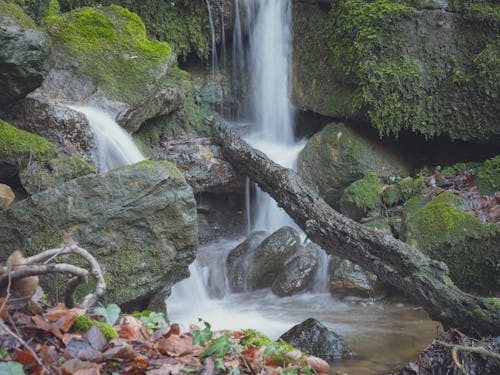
219, 348
111, 313
153, 320
84, 323
201, 337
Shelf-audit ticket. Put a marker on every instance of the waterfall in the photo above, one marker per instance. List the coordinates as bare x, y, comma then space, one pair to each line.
115, 147
215, 62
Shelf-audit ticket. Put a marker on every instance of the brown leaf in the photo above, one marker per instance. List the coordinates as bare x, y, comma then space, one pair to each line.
43, 325
77, 367
24, 357
167, 369
62, 318
95, 338
252, 353
178, 345
133, 329
319, 365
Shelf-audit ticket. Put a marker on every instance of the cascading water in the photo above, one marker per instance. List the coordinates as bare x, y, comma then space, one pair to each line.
115, 147
264, 25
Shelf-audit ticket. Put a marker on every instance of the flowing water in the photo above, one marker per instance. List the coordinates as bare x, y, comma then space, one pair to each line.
115, 147
381, 333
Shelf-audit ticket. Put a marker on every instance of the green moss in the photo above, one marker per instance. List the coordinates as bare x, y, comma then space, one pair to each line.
83, 323
18, 146
441, 229
488, 176
110, 45
171, 169
258, 339
16, 13
364, 193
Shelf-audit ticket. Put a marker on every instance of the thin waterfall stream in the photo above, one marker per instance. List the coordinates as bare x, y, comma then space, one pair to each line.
262, 50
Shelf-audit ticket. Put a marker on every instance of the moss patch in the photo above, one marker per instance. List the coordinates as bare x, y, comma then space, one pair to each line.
110, 45
18, 146
441, 229
16, 13
488, 176
83, 323
362, 196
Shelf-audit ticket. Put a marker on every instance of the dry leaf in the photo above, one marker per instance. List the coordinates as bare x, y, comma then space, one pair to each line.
319, 365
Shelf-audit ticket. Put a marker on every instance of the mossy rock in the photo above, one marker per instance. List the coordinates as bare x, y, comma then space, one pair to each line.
402, 190
13, 11
488, 176
362, 197
110, 45
365, 64
339, 155
441, 229
51, 173
18, 147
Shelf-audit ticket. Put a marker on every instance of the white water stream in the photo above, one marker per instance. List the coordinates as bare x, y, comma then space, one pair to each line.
262, 42
115, 147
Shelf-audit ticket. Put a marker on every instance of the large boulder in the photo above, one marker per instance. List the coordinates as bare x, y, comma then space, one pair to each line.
139, 221
425, 66
339, 155
39, 176
314, 338
25, 54
270, 256
238, 261
442, 229
18, 148
298, 273
349, 279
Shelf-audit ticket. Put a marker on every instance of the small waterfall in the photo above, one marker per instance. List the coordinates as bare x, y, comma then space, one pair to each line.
115, 147
321, 279
215, 62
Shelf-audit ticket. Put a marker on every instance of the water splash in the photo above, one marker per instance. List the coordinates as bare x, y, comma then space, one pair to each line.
115, 147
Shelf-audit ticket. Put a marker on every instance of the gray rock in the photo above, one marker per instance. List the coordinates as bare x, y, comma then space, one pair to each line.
338, 155
270, 255
202, 164
347, 278
7, 196
25, 59
39, 176
239, 260
298, 273
139, 221
314, 338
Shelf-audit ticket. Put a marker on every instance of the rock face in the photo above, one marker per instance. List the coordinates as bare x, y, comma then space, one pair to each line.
338, 155
314, 338
444, 231
139, 221
25, 57
349, 279
238, 261
41, 176
425, 66
270, 255
7, 196
202, 164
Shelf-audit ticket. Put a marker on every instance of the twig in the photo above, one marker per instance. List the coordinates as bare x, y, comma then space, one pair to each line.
478, 350
25, 344
9, 284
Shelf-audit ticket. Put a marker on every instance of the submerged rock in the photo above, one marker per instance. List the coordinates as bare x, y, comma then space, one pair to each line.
25, 54
350, 279
314, 338
339, 155
139, 221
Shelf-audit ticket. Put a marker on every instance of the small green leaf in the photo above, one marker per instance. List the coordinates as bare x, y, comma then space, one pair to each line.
11, 368
190, 369
111, 313
273, 349
219, 347
234, 371
290, 371
203, 336
153, 320
3, 352
219, 364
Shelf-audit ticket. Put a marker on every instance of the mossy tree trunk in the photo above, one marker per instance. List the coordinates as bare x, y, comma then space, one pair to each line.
425, 281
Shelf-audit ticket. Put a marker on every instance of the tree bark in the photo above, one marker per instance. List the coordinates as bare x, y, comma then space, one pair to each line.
424, 280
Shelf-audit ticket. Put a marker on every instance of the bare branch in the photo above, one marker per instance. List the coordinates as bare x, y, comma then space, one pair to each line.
477, 349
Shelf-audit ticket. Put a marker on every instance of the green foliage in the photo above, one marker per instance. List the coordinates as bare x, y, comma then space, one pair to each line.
488, 176
16, 13
201, 337
4, 352
111, 313
365, 192
54, 8
219, 347
255, 338
84, 323
110, 45
11, 368
18, 146
152, 320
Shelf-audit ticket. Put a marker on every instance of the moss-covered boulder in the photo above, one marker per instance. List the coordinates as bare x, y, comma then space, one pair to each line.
488, 176
18, 147
339, 155
139, 221
362, 197
430, 67
39, 176
443, 230
25, 53
402, 190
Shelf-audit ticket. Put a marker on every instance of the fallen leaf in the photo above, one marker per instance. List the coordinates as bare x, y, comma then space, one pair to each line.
43, 325
62, 318
24, 357
166, 370
319, 365
133, 329
178, 345
77, 367
95, 338
252, 353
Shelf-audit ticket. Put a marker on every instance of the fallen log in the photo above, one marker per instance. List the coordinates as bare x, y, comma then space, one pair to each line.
425, 281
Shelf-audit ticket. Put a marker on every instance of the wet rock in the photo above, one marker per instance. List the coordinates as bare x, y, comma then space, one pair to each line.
314, 338
270, 255
40, 176
7, 196
239, 260
25, 54
297, 273
202, 164
362, 197
339, 155
139, 221
347, 278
